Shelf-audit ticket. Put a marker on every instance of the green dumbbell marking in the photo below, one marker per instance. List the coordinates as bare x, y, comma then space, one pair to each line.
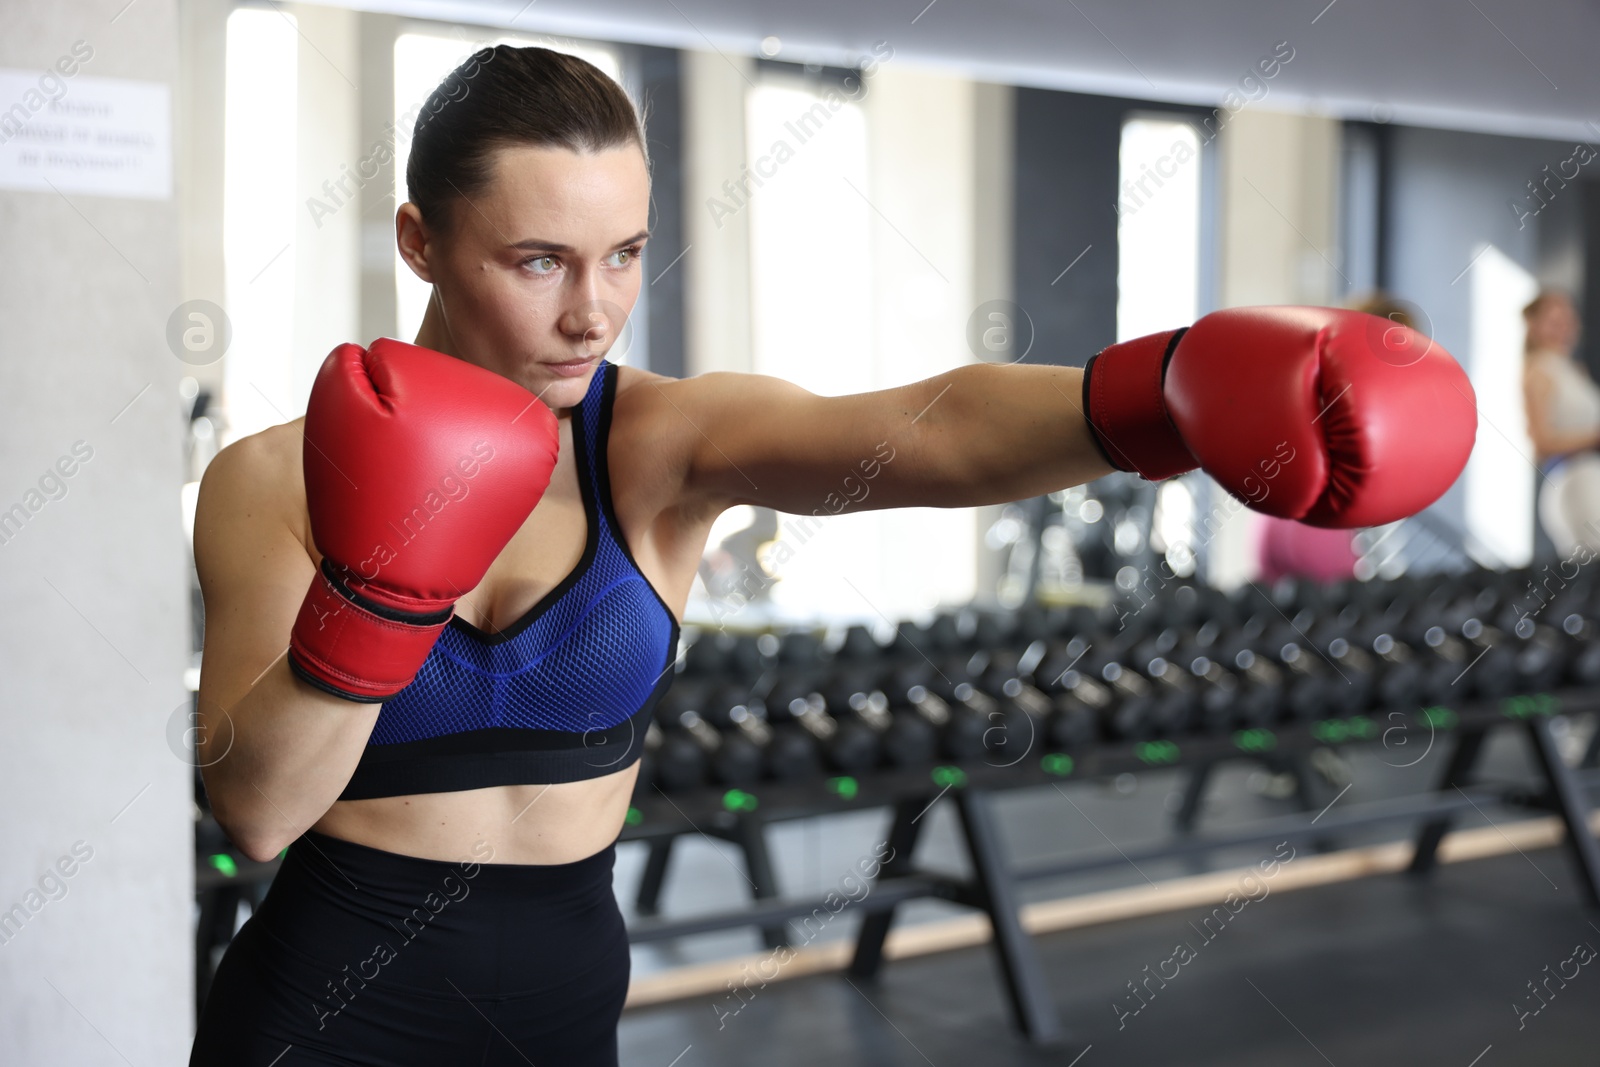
844, 786
1255, 740
1156, 752
1526, 707
1057, 763
1330, 731
1440, 718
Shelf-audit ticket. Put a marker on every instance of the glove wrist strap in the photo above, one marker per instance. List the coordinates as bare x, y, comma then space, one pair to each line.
352, 647
1127, 412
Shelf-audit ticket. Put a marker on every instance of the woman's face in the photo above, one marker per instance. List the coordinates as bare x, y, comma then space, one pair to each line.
536, 276
1555, 326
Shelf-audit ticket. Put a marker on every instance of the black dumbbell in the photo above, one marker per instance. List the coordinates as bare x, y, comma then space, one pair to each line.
859, 646
1023, 716
708, 656
1539, 651
1314, 687
853, 692
679, 762
1401, 679
731, 758
1492, 671
943, 696
1243, 651
1350, 690
787, 755
1244, 698
847, 746
1583, 655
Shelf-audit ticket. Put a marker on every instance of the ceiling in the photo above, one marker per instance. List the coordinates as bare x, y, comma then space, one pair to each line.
1501, 66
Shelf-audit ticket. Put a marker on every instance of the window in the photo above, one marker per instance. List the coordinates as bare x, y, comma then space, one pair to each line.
1499, 476
850, 197
804, 187
258, 221
1158, 278
1158, 226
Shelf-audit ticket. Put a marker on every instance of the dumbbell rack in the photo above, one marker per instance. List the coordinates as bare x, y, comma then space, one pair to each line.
740, 815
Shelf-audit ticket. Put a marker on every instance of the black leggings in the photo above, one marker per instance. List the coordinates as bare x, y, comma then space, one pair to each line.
364, 957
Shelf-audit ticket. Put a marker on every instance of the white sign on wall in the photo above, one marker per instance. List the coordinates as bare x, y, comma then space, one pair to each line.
102, 136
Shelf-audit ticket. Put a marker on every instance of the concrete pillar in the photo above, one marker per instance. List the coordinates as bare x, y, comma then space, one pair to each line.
993, 225
96, 846
198, 150
716, 257
379, 305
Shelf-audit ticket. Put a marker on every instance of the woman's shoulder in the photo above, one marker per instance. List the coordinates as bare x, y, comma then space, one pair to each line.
639, 380
263, 471
644, 396
671, 409
647, 405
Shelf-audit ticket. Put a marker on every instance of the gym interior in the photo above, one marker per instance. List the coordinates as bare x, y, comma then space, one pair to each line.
1127, 773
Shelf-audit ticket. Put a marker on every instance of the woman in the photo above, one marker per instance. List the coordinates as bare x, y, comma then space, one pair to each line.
450, 745
1563, 411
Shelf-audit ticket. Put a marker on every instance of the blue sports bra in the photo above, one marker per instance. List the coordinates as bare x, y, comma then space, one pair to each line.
562, 694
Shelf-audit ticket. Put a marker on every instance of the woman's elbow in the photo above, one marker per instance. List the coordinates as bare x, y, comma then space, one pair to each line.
249, 831
262, 852
257, 843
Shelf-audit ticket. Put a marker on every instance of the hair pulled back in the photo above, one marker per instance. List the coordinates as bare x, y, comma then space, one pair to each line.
504, 96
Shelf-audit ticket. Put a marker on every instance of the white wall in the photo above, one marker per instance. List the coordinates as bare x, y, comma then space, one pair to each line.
96, 631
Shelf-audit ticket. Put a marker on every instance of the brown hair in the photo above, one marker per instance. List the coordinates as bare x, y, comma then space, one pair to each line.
1384, 306
1536, 307
504, 96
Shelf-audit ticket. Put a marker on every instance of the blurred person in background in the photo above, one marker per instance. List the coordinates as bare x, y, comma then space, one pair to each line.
1563, 409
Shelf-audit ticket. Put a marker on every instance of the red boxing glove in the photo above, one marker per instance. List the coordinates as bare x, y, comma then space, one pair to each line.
1334, 418
419, 468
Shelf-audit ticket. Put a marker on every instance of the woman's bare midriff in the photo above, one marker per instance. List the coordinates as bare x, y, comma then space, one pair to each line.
521, 823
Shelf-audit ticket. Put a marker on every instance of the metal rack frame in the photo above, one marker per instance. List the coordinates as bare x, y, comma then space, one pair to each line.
993, 886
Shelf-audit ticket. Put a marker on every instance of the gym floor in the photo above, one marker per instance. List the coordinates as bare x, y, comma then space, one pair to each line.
1381, 970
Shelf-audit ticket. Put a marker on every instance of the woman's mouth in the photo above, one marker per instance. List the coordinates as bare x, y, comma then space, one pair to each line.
572, 368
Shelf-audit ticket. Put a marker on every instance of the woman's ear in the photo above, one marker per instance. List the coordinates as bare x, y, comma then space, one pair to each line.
412, 238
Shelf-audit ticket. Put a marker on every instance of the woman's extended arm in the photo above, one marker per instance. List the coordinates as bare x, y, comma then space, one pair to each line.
978, 434
1330, 417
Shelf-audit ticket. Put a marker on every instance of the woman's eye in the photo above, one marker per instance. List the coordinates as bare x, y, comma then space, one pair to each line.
624, 257
542, 264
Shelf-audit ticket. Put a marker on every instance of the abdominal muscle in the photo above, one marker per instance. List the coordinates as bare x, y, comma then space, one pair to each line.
521, 823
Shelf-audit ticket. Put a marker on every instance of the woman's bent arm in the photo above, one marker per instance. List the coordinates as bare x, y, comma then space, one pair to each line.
275, 752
